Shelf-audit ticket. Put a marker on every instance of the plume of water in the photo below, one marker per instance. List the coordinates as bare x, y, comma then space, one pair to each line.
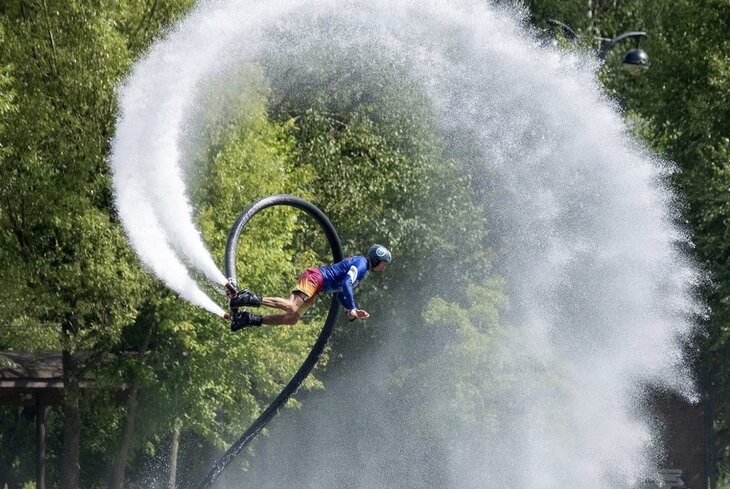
602, 296
147, 171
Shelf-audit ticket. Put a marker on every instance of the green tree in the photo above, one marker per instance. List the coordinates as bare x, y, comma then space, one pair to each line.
69, 278
378, 161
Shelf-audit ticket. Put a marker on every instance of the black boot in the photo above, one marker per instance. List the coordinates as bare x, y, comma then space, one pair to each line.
245, 298
245, 319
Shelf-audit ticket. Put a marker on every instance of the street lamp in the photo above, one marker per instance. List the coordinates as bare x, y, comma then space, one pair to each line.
635, 60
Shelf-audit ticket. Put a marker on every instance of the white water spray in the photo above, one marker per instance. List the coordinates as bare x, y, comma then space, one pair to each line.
147, 176
601, 295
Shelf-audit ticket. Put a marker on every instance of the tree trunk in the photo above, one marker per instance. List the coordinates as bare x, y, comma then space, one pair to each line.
123, 456
71, 416
40, 423
174, 446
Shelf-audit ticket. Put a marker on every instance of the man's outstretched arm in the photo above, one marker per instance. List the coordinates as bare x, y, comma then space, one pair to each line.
347, 298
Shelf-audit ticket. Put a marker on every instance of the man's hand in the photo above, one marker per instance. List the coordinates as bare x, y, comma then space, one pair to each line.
353, 314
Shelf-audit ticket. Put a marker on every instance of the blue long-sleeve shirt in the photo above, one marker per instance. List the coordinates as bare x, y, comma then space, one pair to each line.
341, 277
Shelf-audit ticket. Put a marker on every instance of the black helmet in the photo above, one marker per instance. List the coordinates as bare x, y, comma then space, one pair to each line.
378, 253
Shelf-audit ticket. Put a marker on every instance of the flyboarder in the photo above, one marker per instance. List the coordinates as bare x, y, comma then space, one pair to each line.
339, 279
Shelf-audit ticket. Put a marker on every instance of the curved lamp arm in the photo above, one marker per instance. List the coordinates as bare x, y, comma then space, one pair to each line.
567, 31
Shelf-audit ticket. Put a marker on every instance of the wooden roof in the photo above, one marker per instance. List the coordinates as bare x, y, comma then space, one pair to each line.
24, 376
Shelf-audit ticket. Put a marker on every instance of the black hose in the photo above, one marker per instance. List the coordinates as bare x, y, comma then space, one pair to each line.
314, 354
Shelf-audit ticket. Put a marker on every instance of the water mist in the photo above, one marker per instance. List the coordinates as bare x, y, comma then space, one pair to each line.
582, 219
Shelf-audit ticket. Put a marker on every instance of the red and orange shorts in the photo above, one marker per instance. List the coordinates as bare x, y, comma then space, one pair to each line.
309, 285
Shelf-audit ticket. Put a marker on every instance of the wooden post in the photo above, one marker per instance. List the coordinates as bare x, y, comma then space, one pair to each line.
40, 429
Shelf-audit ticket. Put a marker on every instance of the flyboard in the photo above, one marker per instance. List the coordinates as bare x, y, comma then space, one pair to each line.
324, 336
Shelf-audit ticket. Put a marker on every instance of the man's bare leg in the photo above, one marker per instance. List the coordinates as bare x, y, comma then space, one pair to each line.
290, 318
292, 304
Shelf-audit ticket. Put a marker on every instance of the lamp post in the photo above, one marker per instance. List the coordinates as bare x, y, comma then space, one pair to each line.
635, 60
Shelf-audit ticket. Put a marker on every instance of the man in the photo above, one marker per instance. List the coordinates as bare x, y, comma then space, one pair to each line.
339, 279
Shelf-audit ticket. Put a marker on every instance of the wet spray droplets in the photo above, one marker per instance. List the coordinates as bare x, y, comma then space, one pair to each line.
585, 222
